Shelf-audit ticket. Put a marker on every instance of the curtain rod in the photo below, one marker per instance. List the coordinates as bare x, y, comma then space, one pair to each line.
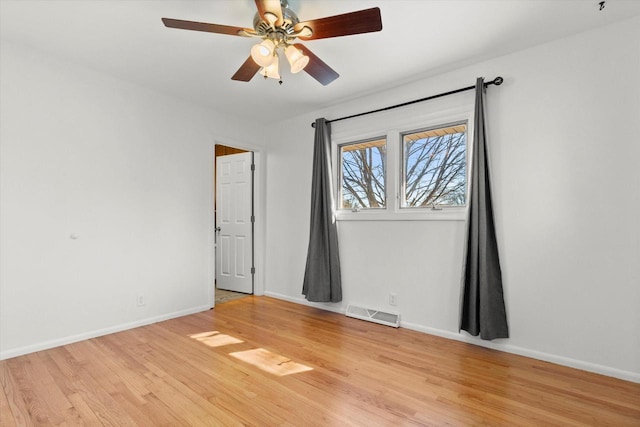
497, 81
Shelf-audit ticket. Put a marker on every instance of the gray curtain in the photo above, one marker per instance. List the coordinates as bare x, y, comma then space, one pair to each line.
322, 282
482, 303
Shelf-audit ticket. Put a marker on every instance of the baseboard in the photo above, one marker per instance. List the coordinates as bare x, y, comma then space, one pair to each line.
534, 354
98, 333
329, 306
507, 348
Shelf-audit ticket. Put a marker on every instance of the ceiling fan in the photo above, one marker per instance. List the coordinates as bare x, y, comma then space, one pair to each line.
278, 26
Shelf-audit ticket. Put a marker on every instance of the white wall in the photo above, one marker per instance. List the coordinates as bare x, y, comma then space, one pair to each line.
564, 152
127, 170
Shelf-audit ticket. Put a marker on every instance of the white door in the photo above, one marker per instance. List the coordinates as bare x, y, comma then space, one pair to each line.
234, 239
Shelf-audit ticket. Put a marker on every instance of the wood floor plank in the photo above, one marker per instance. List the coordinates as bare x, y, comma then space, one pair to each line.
85, 413
94, 386
6, 417
28, 387
58, 406
234, 366
12, 409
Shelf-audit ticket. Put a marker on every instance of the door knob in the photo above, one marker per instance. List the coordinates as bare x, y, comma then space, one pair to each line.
217, 229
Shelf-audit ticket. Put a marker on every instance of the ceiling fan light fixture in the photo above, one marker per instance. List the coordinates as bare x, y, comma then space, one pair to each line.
296, 59
271, 70
276, 27
305, 32
263, 53
271, 17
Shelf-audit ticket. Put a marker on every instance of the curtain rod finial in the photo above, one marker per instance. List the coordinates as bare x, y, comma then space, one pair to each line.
498, 81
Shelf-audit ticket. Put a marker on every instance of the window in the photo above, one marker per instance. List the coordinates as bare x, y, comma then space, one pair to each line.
362, 174
404, 166
434, 167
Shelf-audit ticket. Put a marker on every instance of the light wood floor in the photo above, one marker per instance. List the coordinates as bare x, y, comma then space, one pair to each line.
264, 362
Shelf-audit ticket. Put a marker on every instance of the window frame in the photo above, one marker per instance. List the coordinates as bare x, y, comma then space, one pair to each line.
402, 172
340, 175
392, 123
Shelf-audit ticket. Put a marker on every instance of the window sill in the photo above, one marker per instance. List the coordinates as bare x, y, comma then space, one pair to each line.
445, 214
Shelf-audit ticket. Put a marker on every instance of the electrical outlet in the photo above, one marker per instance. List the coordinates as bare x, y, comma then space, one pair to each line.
139, 300
393, 298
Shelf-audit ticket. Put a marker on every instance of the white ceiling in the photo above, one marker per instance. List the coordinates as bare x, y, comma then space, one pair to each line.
419, 38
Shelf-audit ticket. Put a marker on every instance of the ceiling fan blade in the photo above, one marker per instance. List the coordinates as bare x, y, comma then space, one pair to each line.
246, 71
272, 7
317, 68
207, 28
363, 21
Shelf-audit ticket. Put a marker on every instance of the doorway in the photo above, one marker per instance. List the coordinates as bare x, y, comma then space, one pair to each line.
234, 222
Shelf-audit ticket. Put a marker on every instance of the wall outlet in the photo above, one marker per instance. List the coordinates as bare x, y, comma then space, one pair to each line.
139, 300
393, 298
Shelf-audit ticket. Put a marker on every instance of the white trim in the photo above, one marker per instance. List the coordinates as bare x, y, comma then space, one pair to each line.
406, 214
211, 250
507, 348
260, 210
533, 354
334, 307
329, 306
98, 333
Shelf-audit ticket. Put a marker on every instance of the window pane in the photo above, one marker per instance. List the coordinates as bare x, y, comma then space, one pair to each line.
363, 171
435, 167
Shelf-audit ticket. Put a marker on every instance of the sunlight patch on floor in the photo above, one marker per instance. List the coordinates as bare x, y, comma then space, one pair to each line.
270, 362
215, 339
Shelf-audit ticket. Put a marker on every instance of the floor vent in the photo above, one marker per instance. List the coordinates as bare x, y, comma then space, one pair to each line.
371, 315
